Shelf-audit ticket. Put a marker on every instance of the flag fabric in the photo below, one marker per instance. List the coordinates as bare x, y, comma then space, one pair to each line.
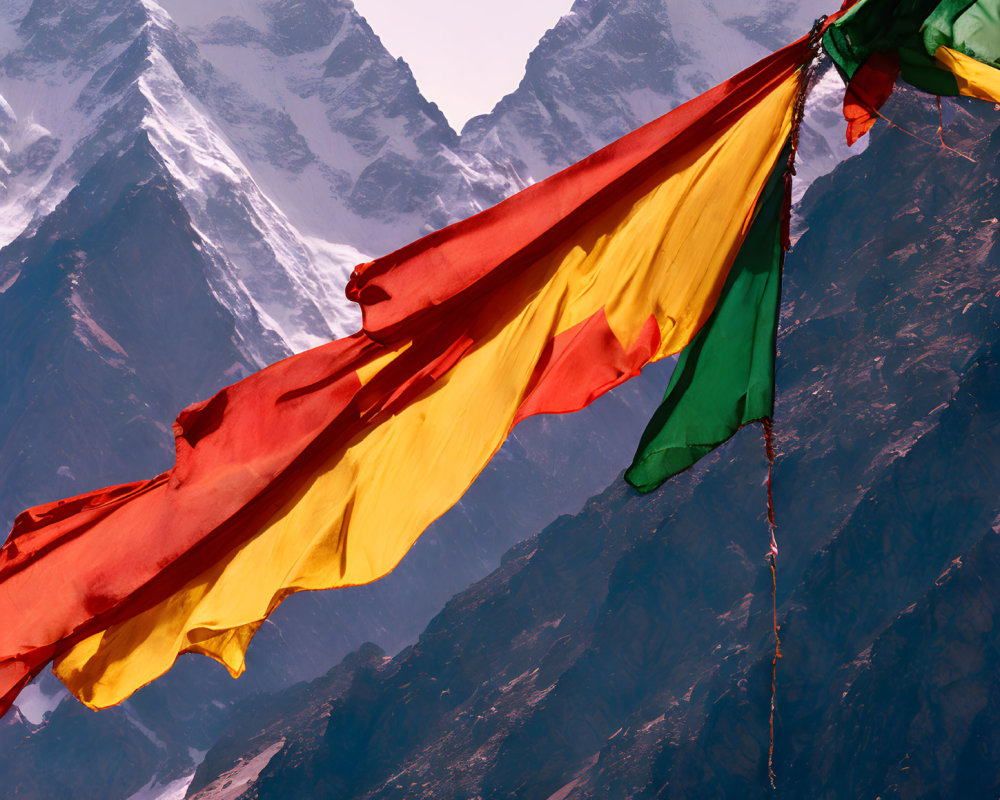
944, 47
322, 470
724, 379
868, 90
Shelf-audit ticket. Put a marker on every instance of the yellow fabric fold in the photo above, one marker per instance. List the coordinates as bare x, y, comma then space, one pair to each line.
664, 254
975, 79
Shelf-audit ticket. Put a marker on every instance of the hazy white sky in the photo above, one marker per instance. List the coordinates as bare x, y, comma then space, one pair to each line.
465, 54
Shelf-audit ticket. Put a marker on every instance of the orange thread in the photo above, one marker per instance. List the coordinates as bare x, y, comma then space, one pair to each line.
941, 133
772, 557
798, 113
920, 139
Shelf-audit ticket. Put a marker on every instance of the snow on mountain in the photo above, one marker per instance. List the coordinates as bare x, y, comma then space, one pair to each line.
287, 128
307, 135
609, 67
379, 163
93, 76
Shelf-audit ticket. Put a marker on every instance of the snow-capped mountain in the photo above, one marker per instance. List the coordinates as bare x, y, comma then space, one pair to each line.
184, 188
271, 202
609, 67
374, 163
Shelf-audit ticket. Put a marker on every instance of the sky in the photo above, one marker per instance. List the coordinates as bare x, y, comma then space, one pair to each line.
465, 54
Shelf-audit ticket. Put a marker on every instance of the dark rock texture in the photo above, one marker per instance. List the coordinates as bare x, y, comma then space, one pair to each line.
293, 719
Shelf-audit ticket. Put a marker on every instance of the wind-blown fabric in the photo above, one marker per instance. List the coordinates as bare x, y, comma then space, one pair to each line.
944, 47
322, 470
724, 379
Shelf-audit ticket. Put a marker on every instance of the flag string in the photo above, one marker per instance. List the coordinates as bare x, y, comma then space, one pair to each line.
772, 558
941, 133
806, 78
892, 124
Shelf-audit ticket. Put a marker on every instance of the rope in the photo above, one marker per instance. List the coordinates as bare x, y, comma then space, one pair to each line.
941, 133
772, 558
921, 139
798, 113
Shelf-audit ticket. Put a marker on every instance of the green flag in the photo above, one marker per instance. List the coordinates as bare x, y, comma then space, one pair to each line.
724, 378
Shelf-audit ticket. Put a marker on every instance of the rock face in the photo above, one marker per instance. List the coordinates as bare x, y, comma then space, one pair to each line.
626, 652
258, 727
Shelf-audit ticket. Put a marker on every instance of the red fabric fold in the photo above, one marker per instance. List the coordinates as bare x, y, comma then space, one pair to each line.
410, 289
867, 92
243, 453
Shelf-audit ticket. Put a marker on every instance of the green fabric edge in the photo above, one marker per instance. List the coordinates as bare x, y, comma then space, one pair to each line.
893, 25
972, 28
724, 378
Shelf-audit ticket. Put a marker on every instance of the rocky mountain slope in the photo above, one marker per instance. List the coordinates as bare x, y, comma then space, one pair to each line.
626, 652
